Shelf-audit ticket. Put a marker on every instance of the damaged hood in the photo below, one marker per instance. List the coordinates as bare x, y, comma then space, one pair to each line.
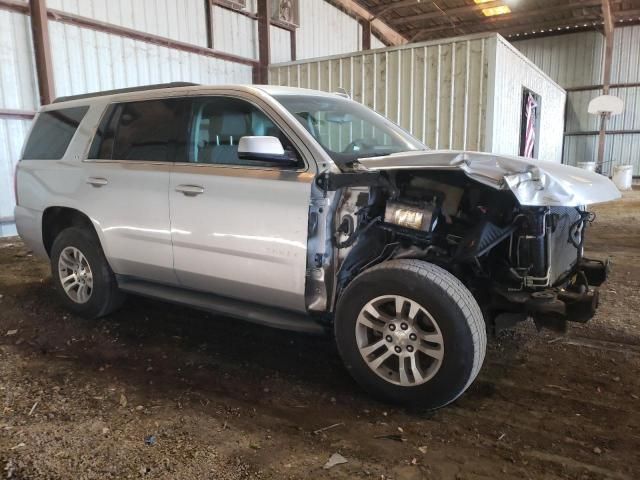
533, 182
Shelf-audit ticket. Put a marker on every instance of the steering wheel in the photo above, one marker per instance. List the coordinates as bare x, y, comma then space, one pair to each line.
364, 143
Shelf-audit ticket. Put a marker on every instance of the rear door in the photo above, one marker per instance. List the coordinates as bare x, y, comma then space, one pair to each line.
239, 227
127, 184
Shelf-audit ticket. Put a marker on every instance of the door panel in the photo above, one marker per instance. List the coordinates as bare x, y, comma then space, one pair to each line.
130, 205
245, 235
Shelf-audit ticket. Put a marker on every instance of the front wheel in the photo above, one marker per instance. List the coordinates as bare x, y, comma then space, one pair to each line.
410, 332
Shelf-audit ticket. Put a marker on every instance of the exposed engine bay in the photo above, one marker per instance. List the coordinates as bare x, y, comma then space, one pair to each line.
519, 261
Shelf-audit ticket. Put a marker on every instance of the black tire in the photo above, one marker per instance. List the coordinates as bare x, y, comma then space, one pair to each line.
451, 305
105, 296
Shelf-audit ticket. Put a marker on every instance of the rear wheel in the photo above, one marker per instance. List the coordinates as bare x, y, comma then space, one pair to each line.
85, 282
410, 332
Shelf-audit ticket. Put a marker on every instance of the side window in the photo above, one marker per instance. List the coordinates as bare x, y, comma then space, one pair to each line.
52, 133
153, 130
219, 123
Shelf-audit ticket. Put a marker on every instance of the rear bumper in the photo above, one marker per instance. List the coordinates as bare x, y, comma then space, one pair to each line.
554, 307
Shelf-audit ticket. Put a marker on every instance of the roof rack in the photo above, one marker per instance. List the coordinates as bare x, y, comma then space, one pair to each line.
143, 88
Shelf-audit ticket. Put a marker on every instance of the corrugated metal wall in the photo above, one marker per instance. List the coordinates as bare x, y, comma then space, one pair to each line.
572, 60
575, 60
234, 33
280, 43
325, 30
18, 91
513, 73
87, 61
182, 20
439, 91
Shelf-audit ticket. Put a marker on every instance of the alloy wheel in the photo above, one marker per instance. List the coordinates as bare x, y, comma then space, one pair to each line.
75, 275
399, 340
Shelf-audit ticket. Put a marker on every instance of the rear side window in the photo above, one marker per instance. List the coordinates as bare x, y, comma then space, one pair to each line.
153, 130
52, 133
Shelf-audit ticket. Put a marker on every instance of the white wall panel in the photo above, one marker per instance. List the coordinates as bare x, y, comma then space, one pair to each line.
325, 30
18, 87
85, 60
234, 33
182, 20
12, 135
280, 42
513, 73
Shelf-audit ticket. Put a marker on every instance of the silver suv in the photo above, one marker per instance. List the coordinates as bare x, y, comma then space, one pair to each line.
307, 211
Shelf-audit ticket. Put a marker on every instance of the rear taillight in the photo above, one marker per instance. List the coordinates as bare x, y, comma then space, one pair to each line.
15, 182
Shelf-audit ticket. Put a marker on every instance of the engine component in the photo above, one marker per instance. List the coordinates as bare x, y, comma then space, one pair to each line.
419, 217
481, 239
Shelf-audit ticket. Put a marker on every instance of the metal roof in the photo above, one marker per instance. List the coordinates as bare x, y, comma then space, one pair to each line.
419, 20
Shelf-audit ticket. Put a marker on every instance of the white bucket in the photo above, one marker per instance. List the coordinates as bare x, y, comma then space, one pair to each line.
591, 166
622, 176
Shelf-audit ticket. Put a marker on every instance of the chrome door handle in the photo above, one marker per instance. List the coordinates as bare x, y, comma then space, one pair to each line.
190, 190
97, 181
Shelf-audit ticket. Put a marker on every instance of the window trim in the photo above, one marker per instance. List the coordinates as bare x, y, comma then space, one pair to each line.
305, 154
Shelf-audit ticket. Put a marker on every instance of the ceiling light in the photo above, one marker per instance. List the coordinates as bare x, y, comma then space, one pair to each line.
482, 1
501, 10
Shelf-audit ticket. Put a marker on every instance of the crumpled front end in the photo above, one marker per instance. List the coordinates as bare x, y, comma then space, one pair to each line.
511, 229
550, 280
533, 182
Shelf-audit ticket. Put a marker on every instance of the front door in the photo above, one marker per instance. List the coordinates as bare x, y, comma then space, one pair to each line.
239, 227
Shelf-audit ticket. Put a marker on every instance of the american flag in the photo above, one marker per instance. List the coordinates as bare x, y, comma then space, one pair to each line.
530, 134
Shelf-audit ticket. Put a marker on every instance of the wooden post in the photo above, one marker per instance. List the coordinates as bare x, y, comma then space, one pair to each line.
209, 22
366, 35
264, 49
606, 77
42, 50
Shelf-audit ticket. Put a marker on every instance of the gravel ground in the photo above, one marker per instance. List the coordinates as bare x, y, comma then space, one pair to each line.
159, 391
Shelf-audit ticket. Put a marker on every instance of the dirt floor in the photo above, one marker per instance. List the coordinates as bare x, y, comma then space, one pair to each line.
159, 391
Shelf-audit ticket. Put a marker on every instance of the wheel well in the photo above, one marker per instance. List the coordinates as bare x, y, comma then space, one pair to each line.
56, 219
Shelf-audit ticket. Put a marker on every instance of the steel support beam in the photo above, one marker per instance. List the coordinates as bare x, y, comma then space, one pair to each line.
264, 47
208, 22
606, 77
42, 50
12, 113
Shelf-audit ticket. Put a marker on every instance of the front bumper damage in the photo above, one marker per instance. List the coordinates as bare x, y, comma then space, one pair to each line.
553, 307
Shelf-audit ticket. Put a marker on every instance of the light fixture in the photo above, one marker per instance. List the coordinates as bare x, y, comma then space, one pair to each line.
501, 10
482, 1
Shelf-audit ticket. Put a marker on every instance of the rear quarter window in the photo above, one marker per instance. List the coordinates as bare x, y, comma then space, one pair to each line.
52, 133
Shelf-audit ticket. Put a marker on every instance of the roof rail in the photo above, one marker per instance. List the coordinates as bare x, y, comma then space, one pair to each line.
142, 88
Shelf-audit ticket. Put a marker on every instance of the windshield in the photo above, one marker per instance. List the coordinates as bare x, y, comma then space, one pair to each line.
348, 130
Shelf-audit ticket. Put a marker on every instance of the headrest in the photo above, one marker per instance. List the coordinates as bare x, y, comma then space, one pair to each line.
231, 124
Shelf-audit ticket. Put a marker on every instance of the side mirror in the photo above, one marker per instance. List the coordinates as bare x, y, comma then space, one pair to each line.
263, 149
